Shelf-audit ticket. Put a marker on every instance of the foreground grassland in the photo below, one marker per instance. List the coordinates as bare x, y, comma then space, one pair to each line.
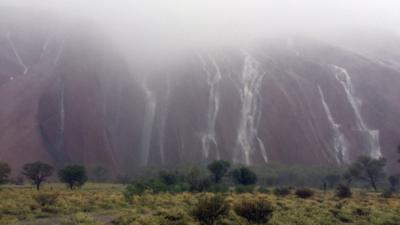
105, 204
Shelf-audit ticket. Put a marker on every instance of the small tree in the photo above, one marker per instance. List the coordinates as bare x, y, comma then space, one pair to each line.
368, 169
394, 181
244, 176
37, 172
73, 176
218, 169
5, 171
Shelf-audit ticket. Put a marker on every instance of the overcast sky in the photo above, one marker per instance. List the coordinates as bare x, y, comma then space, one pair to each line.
190, 22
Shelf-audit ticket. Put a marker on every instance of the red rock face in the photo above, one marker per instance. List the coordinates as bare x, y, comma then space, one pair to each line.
68, 96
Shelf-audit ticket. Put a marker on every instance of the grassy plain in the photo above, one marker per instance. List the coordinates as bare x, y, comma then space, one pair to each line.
105, 204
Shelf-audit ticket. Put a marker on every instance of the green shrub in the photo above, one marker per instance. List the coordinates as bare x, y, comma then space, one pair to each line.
343, 191
157, 186
133, 189
169, 177
218, 169
263, 190
254, 211
218, 188
244, 189
200, 185
244, 176
179, 188
5, 171
209, 209
304, 193
198, 182
282, 191
73, 176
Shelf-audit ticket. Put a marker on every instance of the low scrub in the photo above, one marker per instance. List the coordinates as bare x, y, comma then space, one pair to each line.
133, 189
210, 208
304, 193
46, 198
239, 189
343, 191
254, 211
282, 191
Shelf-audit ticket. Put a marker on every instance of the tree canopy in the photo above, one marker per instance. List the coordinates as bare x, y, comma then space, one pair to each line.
368, 169
73, 176
37, 172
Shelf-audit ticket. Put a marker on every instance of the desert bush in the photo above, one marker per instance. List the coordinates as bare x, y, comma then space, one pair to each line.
218, 169
200, 185
157, 186
73, 176
282, 191
263, 190
209, 208
254, 211
169, 177
239, 189
5, 171
133, 189
343, 191
304, 193
218, 188
37, 172
198, 182
46, 198
244, 176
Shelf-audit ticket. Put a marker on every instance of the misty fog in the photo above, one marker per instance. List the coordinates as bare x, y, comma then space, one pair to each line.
156, 27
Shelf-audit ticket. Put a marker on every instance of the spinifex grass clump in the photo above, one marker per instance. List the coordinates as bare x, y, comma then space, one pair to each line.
46, 198
304, 193
210, 208
282, 191
254, 211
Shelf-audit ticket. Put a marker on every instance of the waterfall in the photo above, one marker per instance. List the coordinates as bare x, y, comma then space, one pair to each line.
371, 136
60, 51
19, 59
150, 112
209, 137
45, 46
62, 109
340, 143
249, 89
163, 122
